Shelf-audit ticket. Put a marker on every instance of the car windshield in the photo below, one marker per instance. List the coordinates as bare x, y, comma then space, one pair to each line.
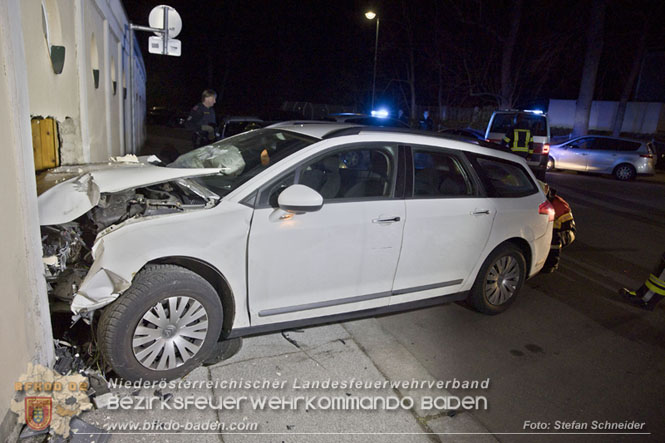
242, 157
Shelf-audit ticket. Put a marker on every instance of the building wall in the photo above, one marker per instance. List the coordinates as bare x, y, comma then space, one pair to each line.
91, 120
91, 125
26, 326
640, 117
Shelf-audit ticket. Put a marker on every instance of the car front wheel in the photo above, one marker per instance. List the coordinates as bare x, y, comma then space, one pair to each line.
499, 280
166, 324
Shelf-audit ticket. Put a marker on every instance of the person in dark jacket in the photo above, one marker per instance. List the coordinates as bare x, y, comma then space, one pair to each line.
202, 117
426, 124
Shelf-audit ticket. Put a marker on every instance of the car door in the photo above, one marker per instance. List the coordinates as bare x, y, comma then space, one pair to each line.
340, 258
573, 154
447, 227
601, 153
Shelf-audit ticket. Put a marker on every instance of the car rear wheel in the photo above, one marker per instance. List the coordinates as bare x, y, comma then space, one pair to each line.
166, 324
550, 164
624, 172
499, 280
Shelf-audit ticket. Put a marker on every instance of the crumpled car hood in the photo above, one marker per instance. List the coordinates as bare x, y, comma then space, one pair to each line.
70, 199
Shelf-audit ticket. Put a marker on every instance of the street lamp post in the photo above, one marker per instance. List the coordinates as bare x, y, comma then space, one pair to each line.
371, 16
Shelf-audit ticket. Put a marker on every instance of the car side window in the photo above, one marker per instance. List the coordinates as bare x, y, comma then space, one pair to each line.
439, 174
352, 173
505, 178
601, 144
582, 143
626, 145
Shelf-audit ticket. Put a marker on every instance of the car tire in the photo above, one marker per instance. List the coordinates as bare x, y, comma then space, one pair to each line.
550, 164
624, 172
499, 280
180, 342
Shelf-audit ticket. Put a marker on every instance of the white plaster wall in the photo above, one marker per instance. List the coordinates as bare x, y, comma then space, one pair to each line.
54, 95
640, 117
93, 100
91, 121
26, 327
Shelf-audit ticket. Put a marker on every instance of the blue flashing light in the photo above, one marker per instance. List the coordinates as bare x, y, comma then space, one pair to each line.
535, 111
380, 113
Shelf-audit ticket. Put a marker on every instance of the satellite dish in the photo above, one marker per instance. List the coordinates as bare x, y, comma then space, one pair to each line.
156, 20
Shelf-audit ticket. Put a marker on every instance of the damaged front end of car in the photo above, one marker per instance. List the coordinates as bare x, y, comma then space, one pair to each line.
78, 212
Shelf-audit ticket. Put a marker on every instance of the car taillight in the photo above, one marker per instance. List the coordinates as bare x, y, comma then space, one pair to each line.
646, 155
547, 209
546, 149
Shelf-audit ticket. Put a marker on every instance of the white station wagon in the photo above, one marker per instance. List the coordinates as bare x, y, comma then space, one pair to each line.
290, 225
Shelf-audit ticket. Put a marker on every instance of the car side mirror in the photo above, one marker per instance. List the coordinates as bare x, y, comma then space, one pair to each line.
298, 199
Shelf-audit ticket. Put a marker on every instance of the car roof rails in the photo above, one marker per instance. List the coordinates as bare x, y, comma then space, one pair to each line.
355, 130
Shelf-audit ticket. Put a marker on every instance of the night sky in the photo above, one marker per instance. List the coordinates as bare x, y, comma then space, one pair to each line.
257, 54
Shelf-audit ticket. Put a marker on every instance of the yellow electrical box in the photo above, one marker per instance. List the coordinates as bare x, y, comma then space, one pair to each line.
45, 143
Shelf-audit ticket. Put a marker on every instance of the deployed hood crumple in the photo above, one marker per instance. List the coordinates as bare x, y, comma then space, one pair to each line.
72, 198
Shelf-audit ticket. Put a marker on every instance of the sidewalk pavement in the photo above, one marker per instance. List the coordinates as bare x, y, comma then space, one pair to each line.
359, 350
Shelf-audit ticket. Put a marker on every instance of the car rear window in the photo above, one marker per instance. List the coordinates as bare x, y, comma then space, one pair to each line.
504, 178
536, 123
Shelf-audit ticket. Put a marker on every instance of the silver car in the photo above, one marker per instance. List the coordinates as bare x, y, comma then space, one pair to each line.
623, 158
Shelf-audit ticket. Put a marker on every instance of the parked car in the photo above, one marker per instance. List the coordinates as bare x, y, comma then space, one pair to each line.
232, 125
285, 226
539, 125
161, 115
623, 158
473, 136
469, 133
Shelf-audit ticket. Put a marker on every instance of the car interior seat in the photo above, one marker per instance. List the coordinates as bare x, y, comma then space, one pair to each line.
453, 182
375, 182
323, 177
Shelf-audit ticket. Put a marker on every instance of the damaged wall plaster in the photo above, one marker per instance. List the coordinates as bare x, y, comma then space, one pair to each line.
71, 148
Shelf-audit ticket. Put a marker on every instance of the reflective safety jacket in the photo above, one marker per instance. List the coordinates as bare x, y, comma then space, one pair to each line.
519, 139
564, 224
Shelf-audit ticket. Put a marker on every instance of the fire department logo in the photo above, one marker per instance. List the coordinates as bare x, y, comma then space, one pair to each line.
38, 412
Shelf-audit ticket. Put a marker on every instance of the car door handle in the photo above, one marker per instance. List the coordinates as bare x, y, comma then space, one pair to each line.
386, 220
480, 212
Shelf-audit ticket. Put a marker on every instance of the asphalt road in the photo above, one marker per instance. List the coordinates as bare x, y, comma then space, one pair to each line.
569, 349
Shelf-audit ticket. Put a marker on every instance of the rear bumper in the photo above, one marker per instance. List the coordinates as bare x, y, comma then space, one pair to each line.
645, 167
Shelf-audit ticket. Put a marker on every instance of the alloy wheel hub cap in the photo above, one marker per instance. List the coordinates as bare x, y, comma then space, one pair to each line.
502, 280
170, 333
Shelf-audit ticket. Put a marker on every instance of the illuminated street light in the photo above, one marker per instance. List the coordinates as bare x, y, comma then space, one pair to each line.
371, 15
